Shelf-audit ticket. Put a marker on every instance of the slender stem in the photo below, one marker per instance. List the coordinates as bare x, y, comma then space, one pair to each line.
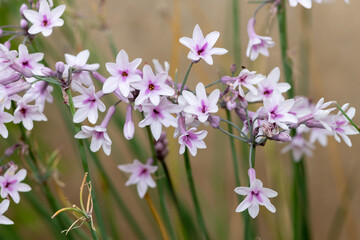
157, 217
232, 135
300, 216
186, 77
236, 32
234, 125
160, 185
93, 232
212, 84
86, 169
193, 195
252, 156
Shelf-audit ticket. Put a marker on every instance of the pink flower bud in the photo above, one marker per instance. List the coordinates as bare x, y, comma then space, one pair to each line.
60, 67
108, 116
214, 120
129, 128
48, 72
7, 44
23, 23
22, 8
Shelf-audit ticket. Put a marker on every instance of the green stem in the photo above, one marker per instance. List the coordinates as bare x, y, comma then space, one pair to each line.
186, 77
236, 32
300, 216
160, 187
86, 169
193, 195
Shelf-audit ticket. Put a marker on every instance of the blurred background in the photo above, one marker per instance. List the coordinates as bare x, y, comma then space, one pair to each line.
323, 44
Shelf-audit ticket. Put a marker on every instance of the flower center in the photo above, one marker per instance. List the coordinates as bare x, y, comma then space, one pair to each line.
156, 111
23, 111
124, 74
267, 92
25, 64
151, 87
144, 171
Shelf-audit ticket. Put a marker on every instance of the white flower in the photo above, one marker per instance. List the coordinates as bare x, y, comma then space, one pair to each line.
79, 62
4, 118
88, 104
159, 115
11, 183
256, 195
257, 44
4, 205
278, 111
192, 140
202, 48
152, 87
46, 19
201, 105
140, 175
27, 114
269, 87
99, 138
304, 3
123, 73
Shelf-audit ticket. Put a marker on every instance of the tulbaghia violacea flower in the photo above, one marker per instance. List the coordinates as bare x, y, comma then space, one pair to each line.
123, 73
246, 79
4, 205
45, 19
256, 195
79, 62
27, 114
29, 61
98, 134
159, 115
320, 135
4, 118
201, 105
257, 44
278, 111
341, 126
40, 92
269, 87
192, 140
152, 87
304, 3
140, 175
88, 104
202, 48
299, 147
7, 57
11, 183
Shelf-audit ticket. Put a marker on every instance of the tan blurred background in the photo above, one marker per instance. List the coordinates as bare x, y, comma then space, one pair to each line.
151, 29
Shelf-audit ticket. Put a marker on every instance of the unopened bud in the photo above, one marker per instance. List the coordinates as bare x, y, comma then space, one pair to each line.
233, 68
22, 8
60, 67
214, 121
23, 23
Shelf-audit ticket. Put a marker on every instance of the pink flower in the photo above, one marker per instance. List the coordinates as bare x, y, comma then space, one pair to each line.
192, 140
202, 48
41, 93
140, 175
88, 104
341, 126
256, 195
4, 205
257, 44
4, 118
269, 87
247, 79
152, 87
11, 183
304, 3
123, 73
6, 57
299, 147
46, 19
27, 114
99, 138
278, 111
201, 105
79, 62
157, 116
29, 61
98, 134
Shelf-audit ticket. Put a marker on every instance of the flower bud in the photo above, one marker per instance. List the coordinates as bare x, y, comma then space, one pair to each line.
48, 72
60, 67
233, 68
7, 44
214, 121
22, 8
23, 23
283, 137
129, 128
